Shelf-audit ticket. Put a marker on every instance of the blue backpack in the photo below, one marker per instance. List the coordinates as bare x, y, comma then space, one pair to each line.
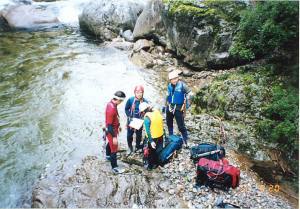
198, 150
174, 143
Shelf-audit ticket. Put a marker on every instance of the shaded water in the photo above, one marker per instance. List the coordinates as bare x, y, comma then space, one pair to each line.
54, 86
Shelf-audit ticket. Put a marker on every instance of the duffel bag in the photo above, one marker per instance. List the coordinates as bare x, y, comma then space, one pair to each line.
207, 150
174, 143
217, 174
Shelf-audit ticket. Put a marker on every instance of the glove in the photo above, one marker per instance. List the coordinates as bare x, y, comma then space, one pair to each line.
153, 145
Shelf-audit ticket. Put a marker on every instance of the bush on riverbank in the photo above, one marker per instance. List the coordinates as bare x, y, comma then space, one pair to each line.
281, 121
268, 29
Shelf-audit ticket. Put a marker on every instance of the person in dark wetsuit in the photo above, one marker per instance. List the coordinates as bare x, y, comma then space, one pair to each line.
132, 111
177, 102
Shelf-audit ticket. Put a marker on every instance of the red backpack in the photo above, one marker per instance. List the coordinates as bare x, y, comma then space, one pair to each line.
217, 174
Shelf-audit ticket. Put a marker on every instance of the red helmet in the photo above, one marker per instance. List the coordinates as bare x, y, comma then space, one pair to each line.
139, 88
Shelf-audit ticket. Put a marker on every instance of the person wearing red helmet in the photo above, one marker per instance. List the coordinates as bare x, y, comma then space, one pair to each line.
132, 111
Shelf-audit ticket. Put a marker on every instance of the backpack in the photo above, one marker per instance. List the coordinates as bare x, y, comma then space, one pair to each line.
217, 174
174, 143
206, 150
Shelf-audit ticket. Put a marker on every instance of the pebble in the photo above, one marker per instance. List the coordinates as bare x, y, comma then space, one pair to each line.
180, 187
171, 191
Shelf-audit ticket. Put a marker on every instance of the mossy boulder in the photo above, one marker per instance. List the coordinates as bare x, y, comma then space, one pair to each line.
235, 96
202, 31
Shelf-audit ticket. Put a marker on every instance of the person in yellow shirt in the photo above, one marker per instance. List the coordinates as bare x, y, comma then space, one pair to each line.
153, 124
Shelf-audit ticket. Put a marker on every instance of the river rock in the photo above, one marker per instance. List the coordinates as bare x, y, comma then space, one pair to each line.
106, 19
142, 44
187, 73
127, 34
122, 45
29, 17
150, 24
142, 59
171, 191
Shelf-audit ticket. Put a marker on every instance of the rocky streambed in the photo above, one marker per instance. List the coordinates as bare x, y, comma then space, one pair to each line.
93, 185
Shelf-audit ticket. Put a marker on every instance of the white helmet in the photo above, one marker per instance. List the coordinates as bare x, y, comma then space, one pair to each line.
143, 106
173, 74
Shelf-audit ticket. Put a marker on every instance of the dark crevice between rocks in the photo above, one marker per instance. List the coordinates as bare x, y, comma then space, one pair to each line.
132, 161
90, 36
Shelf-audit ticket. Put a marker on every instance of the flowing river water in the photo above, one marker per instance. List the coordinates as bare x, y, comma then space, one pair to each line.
54, 86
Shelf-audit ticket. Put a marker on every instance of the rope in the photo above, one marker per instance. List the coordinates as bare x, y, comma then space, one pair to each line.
222, 136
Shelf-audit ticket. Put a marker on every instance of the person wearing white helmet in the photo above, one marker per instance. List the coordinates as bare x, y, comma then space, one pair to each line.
112, 129
154, 131
132, 111
177, 103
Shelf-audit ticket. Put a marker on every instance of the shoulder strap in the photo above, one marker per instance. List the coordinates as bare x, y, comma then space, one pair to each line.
132, 107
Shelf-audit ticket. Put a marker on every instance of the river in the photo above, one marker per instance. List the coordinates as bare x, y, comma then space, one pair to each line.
54, 86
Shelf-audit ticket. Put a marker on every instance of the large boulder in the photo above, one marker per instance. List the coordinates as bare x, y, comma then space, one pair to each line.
142, 44
143, 59
107, 19
29, 17
202, 31
150, 24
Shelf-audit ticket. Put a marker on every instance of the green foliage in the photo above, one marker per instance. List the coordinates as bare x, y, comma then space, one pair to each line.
200, 100
209, 9
189, 8
228, 10
269, 27
281, 123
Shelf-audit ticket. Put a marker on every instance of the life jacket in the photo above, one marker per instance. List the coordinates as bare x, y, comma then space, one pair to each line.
177, 95
112, 115
157, 125
134, 110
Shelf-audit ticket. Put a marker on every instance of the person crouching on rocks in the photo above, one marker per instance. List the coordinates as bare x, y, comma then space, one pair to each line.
154, 132
132, 111
112, 129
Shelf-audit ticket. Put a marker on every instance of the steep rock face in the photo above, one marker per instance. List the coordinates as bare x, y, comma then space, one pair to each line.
106, 19
150, 23
202, 31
